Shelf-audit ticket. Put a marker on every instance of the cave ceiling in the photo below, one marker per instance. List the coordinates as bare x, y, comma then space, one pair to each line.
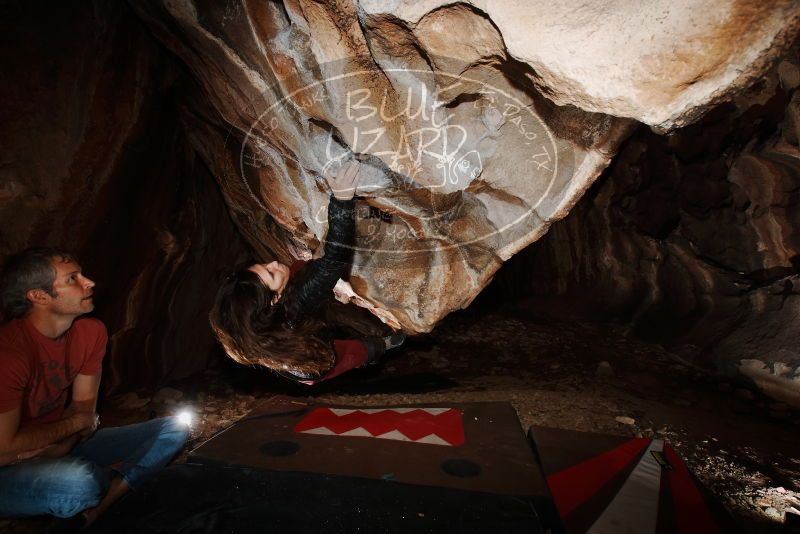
479, 123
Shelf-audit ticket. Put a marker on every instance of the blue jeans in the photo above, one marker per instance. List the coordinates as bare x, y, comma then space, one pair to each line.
66, 486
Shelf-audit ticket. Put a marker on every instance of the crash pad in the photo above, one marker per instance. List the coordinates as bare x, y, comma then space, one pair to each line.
294, 464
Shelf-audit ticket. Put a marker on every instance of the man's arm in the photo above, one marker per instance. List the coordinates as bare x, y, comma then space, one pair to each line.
84, 393
15, 441
84, 399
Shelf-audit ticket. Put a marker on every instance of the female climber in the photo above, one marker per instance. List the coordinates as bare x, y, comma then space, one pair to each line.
266, 315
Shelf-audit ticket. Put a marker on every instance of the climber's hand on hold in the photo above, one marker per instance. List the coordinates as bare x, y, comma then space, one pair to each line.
344, 181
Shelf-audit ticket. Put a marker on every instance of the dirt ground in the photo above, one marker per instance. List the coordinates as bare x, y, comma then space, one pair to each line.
742, 446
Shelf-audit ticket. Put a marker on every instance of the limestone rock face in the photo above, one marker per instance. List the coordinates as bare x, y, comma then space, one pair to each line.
660, 63
479, 124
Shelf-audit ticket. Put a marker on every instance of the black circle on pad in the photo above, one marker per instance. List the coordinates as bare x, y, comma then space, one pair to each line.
279, 448
461, 468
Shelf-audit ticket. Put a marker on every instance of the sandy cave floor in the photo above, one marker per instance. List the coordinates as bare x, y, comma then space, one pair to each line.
745, 448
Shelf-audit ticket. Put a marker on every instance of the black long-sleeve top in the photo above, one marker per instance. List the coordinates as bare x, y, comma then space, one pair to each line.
318, 278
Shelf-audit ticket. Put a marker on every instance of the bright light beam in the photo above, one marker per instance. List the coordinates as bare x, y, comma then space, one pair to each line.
185, 417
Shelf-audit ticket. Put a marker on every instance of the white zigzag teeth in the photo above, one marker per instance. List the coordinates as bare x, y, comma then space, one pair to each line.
435, 411
347, 411
359, 431
431, 439
342, 411
325, 431
394, 434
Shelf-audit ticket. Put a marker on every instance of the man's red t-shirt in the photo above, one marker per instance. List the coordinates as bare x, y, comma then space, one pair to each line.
36, 372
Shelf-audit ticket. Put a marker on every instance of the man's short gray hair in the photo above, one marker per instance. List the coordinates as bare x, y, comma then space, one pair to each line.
30, 269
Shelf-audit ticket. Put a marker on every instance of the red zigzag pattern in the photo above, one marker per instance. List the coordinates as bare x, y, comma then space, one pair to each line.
414, 424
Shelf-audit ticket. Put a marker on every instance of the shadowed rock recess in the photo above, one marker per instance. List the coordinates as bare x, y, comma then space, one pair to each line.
692, 238
95, 159
480, 125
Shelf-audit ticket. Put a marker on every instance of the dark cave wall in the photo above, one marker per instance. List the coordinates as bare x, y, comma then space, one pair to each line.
95, 159
692, 239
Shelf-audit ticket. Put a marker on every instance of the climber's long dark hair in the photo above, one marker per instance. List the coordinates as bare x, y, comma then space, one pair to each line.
254, 332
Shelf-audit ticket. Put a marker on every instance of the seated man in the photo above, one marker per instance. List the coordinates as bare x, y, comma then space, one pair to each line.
51, 459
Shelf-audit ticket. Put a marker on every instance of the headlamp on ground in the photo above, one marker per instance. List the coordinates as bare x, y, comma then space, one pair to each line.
185, 416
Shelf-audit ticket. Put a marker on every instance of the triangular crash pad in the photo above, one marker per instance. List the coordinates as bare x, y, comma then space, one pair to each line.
613, 484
